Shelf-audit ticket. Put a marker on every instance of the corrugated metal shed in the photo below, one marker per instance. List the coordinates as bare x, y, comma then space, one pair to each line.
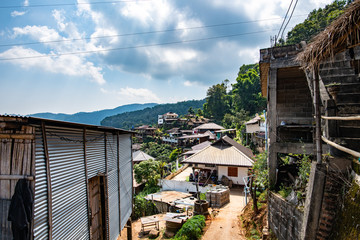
65, 158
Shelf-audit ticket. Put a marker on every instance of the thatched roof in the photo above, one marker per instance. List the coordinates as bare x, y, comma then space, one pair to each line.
343, 33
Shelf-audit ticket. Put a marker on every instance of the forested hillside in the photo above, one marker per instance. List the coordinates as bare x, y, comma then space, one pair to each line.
316, 21
95, 117
149, 116
232, 106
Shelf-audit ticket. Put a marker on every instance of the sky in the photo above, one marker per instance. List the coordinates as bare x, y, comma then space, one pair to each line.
67, 56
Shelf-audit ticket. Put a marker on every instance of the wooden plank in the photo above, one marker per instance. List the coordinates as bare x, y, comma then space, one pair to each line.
5, 165
16, 160
15, 177
16, 136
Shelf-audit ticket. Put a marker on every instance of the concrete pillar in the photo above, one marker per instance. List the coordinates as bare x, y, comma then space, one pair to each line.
313, 202
272, 125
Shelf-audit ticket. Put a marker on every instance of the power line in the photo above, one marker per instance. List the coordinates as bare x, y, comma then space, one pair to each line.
141, 33
283, 21
289, 19
72, 4
134, 47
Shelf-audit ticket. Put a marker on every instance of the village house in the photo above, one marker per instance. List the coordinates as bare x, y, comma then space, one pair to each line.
313, 96
212, 127
140, 156
225, 157
144, 131
255, 131
171, 136
75, 180
166, 118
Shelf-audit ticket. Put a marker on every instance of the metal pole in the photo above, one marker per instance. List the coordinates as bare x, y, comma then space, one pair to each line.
266, 139
48, 178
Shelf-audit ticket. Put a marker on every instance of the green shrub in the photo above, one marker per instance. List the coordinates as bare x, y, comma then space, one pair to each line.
192, 229
143, 207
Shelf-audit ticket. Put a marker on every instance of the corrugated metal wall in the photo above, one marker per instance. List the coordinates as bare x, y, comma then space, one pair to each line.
67, 171
41, 226
126, 181
68, 183
113, 186
95, 152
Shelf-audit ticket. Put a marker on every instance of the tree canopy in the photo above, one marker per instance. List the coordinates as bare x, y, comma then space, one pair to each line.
316, 22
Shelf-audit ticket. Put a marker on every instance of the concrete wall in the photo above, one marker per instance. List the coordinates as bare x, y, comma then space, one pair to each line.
285, 220
242, 172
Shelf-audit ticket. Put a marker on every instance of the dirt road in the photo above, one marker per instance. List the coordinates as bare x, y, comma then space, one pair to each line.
225, 224
223, 227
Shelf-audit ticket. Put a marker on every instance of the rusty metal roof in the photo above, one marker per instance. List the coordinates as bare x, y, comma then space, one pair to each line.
167, 196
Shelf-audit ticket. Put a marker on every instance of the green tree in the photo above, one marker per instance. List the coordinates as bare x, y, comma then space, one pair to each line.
235, 119
175, 154
316, 22
217, 102
148, 172
191, 110
246, 91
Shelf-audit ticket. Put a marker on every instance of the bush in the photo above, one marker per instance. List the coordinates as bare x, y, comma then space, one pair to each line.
143, 207
192, 229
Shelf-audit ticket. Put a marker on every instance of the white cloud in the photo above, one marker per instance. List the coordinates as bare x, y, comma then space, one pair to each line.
250, 53
148, 13
17, 13
188, 84
40, 33
26, 3
138, 95
71, 65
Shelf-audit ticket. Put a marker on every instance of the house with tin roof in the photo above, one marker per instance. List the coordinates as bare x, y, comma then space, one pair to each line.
226, 157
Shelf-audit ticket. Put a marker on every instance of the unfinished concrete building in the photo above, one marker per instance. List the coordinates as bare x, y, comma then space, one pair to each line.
313, 96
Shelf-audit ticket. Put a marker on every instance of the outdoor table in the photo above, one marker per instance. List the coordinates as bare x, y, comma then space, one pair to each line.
150, 221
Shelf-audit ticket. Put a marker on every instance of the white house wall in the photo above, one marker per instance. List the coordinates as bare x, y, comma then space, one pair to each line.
242, 172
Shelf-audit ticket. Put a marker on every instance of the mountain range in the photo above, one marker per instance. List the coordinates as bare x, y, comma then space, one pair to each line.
149, 116
93, 118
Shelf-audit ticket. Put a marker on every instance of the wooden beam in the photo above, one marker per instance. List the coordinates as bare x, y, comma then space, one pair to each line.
351, 118
296, 148
16, 177
344, 149
17, 136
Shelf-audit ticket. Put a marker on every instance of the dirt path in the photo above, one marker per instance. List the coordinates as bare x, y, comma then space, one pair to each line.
225, 224
223, 227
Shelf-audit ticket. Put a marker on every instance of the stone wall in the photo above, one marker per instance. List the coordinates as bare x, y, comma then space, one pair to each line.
285, 219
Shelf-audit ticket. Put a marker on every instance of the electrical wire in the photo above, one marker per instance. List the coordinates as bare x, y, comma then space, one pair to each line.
72, 4
283, 21
134, 47
282, 34
140, 33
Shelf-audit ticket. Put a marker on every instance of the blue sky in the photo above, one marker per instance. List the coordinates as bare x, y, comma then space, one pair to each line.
69, 56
